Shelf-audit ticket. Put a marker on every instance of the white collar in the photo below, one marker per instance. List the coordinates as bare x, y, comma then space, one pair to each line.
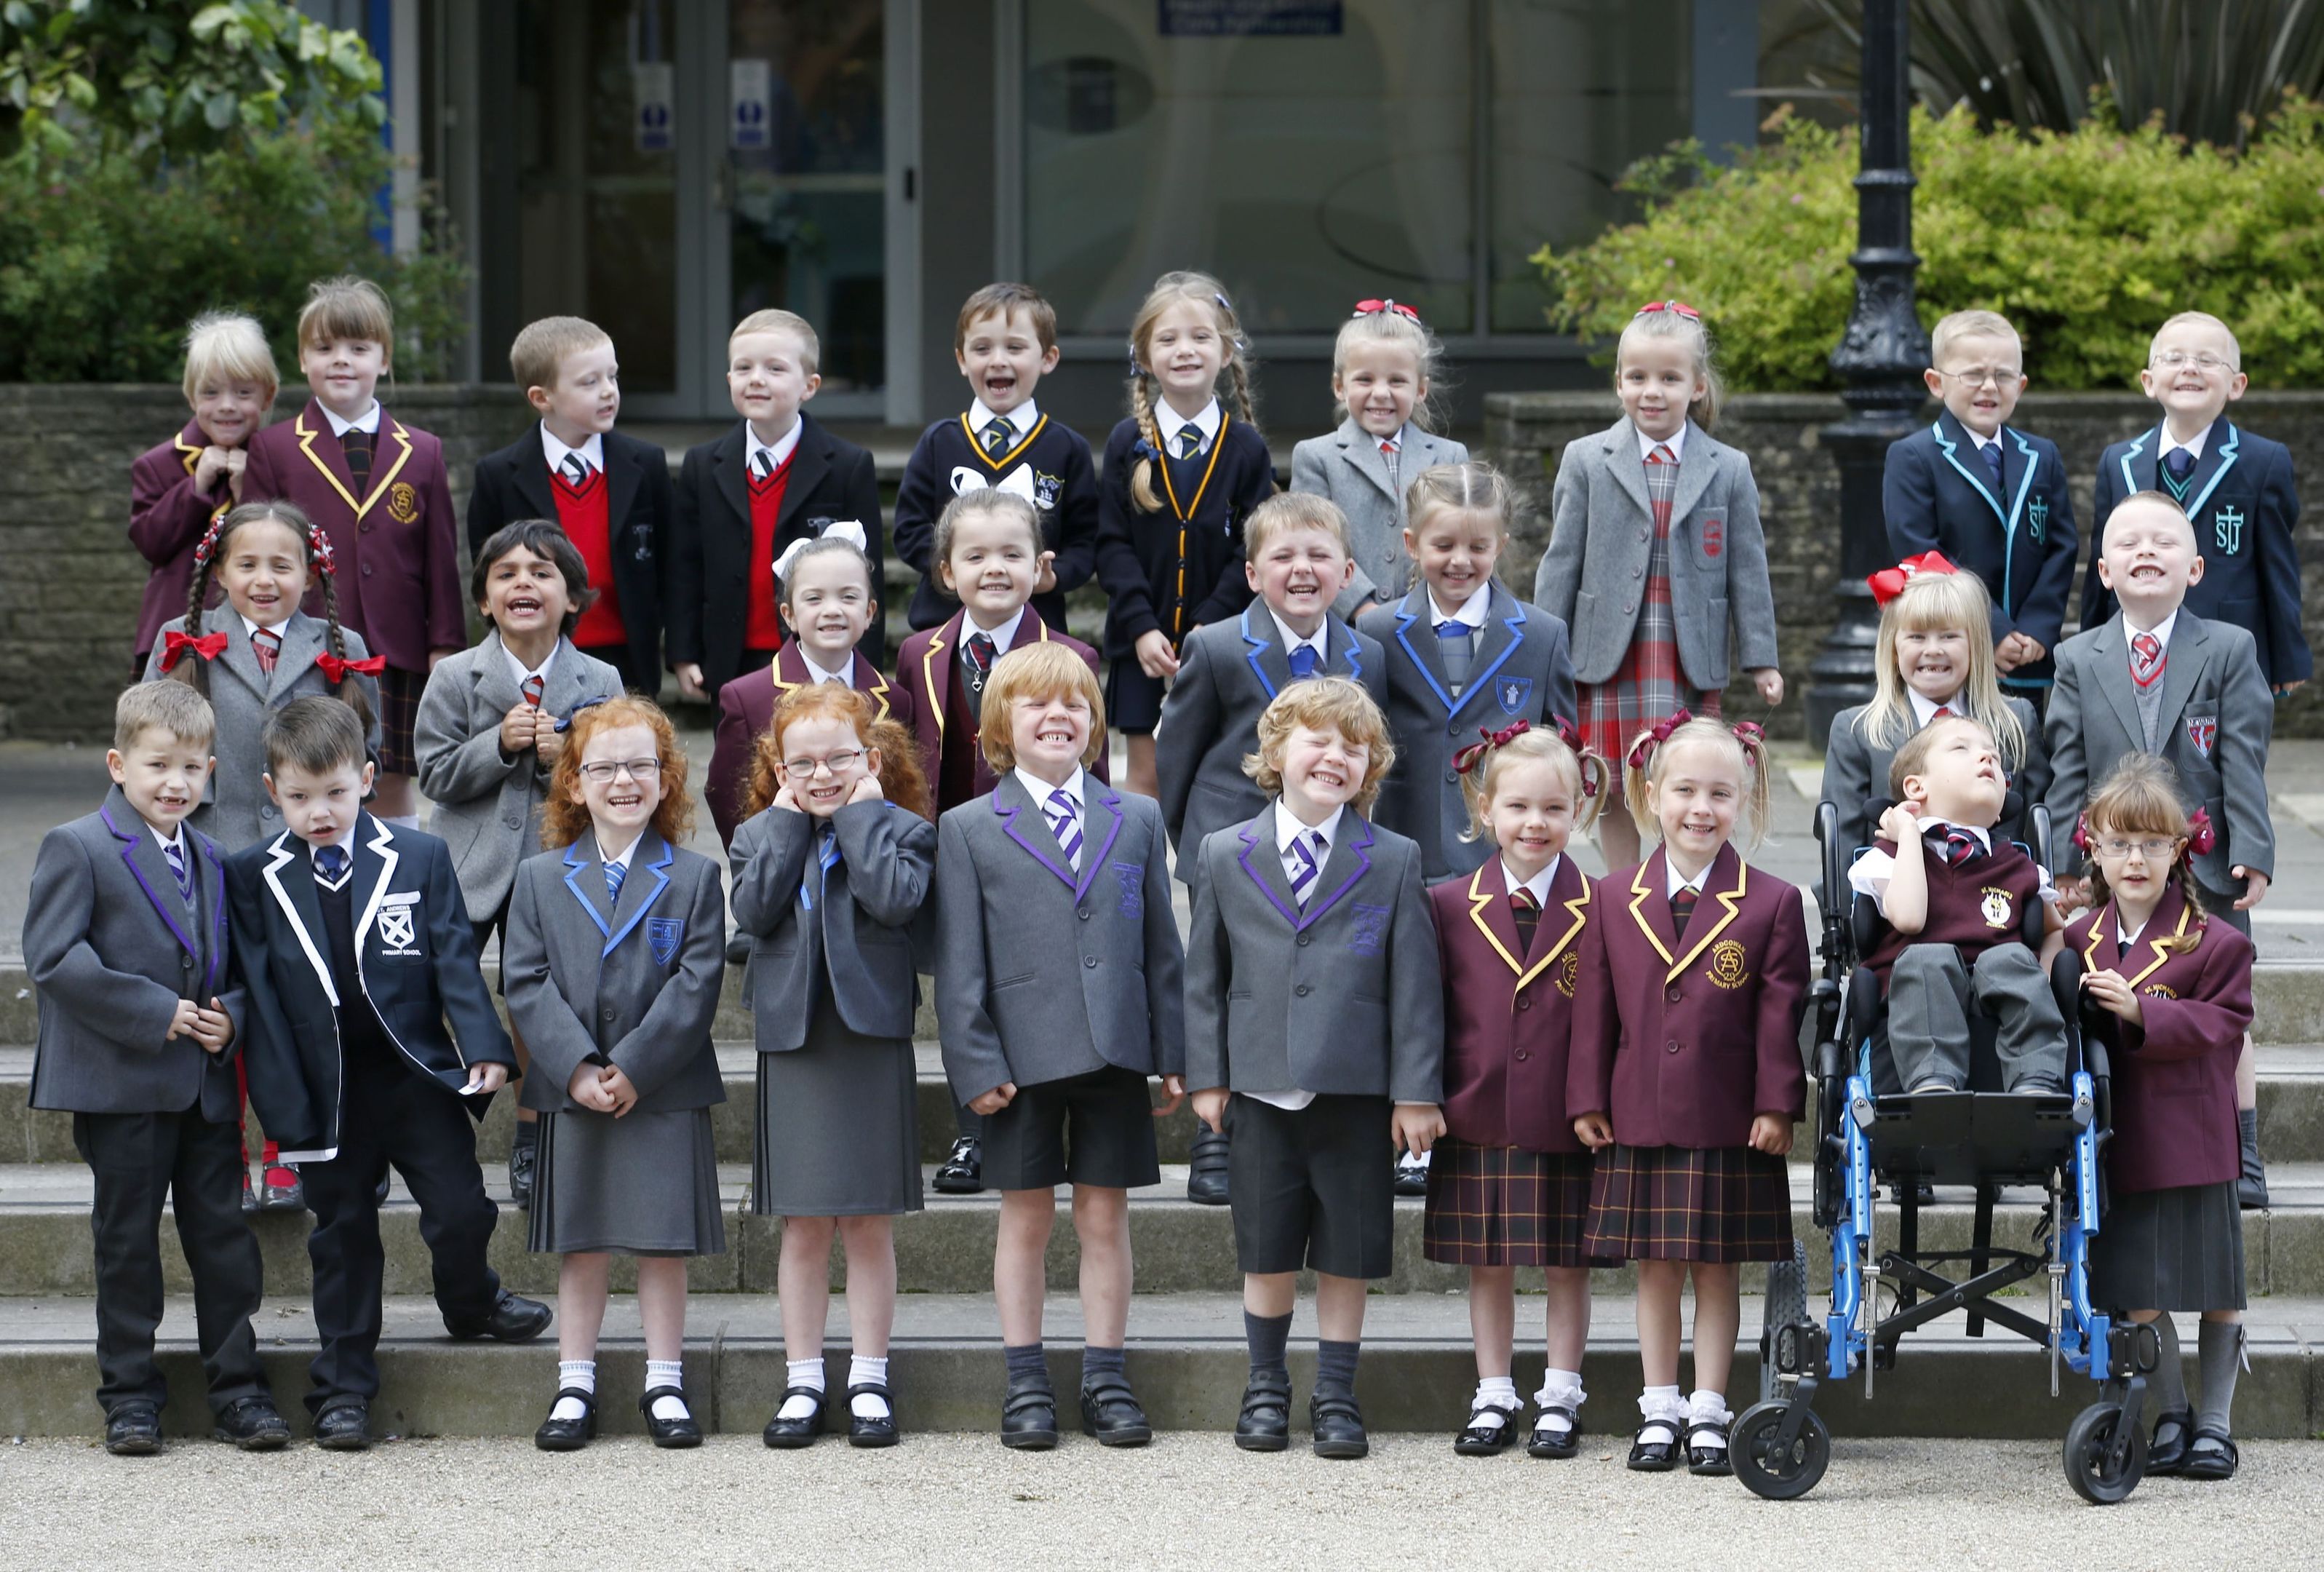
2161, 630
1675, 441
1984, 838
1470, 610
1287, 827
623, 861
816, 672
521, 670
1925, 710
176, 837
1674, 884
345, 839
1021, 419
1038, 789
592, 450
367, 421
1315, 640
1537, 886
279, 630
1397, 438
2193, 445
1983, 443
1001, 636
1170, 423
782, 447
2125, 937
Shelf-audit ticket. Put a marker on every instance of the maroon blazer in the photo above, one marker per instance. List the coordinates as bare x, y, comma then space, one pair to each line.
924, 671
167, 517
1513, 1017
1710, 1029
747, 704
2174, 1077
398, 546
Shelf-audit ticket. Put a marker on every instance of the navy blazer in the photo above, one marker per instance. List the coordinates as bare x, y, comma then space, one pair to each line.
2245, 503
1938, 496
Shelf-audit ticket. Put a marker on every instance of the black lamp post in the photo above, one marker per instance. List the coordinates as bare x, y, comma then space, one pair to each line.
1880, 359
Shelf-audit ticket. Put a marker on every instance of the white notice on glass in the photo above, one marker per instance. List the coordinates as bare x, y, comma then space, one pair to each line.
750, 93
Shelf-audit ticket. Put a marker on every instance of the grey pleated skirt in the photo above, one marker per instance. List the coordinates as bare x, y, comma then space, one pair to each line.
645, 1184
2178, 1249
838, 1131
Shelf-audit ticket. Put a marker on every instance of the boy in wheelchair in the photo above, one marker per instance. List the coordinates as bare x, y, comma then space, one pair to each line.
1957, 904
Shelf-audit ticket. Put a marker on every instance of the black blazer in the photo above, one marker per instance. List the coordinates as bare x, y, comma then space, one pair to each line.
514, 484
710, 539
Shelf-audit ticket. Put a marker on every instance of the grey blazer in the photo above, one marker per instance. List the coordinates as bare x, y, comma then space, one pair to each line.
1343, 996
633, 984
487, 804
1602, 531
236, 811
1228, 674
1520, 672
2217, 714
1347, 467
112, 949
1854, 773
852, 930
1017, 928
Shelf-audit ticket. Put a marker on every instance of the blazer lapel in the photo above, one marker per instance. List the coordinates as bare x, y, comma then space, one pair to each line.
495, 685
625, 469
1348, 861
2101, 953
1562, 917
566, 685
936, 680
1340, 649
302, 640
1100, 827
2218, 457
1426, 656
1010, 800
1621, 448
729, 462
375, 861
1263, 648
323, 451
1264, 865
209, 876
143, 855
289, 877
532, 480
1726, 882
239, 657
585, 876
641, 887
2189, 652
2140, 462
868, 682
1650, 904
1489, 914
1363, 452
1697, 461
2111, 651
1497, 641
810, 459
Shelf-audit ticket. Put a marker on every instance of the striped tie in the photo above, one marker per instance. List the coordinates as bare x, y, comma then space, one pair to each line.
331, 863
615, 874
1065, 823
1681, 907
175, 852
576, 471
1306, 863
355, 447
1527, 913
1189, 441
999, 436
827, 858
532, 688
266, 644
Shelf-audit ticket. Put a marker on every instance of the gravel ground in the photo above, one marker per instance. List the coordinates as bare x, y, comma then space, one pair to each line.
1187, 1501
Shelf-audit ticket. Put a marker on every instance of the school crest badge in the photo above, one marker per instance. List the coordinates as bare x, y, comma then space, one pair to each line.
663, 934
2160, 991
1998, 909
402, 502
1729, 965
1370, 927
2203, 731
1569, 973
1046, 489
396, 931
1714, 537
1513, 692
2037, 515
1132, 880
2227, 530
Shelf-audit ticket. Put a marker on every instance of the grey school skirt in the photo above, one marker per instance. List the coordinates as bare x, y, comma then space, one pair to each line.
2179, 1249
644, 1183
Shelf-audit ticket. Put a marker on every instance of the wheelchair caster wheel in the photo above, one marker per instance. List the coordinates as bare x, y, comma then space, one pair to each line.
1773, 1472
2093, 1468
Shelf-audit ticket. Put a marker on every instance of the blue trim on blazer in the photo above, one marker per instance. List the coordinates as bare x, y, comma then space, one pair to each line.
2009, 518
1478, 681
573, 863
2227, 451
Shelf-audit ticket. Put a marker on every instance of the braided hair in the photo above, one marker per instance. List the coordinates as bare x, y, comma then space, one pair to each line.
1169, 290
320, 566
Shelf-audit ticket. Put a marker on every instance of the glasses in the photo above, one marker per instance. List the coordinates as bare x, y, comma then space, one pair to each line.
838, 763
1976, 376
2161, 849
603, 770
2206, 362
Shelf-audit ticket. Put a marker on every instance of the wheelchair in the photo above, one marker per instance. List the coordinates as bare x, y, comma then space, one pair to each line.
1869, 1134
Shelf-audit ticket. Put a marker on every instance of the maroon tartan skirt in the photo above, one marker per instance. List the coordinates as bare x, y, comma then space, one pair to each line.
1503, 1206
1679, 1203
398, 717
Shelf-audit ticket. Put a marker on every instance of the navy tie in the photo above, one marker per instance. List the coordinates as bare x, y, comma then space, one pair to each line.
175, 855
1189, 441
999, 436
827, 858
331, 862
2181, 463
1303, 662
615, 874
1992, 451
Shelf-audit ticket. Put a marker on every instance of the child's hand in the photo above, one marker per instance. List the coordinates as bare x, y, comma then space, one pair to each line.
185, 1022
2113, 993
1770, 683
2289, 689
1154, 656
786, 798
213, 1027
1901, 825
1211, 1108
867, 790
2255, 887
689, 680
1046, 579
991, 1102
517, 728
1416, 1126
2073, 894
487, 1077
619, 1090
1174, 1090
1771, 1133
587, 1087
548, 742
237, 461
2010, 653
213, 466
1594, 1131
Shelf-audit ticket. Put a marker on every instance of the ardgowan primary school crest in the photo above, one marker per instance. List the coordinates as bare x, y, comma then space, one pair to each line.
1729, 965
1996, 906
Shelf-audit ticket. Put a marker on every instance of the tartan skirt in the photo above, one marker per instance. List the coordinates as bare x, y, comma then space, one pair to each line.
1678, 1202
1503, 1206
1647, 686
398, 717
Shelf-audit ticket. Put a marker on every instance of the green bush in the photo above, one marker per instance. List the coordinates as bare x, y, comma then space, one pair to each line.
2085, 240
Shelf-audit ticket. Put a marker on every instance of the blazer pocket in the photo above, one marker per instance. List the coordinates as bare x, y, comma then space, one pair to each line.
1016, 982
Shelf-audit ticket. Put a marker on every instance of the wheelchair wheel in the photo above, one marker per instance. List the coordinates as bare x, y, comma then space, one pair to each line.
2088, 1439
1786, 1305
1776, 1473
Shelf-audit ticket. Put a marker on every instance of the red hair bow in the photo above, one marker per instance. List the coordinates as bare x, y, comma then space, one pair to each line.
1656, 738
1470, 757
1370, 308
1890, 582
1681, 307
2200, 836
2081, 836
209, 647
318, 547
335, 671
1752, 735
207, 547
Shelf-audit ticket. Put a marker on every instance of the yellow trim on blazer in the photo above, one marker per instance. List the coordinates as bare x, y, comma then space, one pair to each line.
1731, 899
2097, 929
1481, 900
877, 692
188, 454
1008, 459
380, 483
936, 691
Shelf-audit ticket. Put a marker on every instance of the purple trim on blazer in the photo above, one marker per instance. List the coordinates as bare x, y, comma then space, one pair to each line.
1357, 839
129, 860
1089, 864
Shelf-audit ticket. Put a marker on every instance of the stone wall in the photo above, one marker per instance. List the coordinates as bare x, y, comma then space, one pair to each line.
1799, 499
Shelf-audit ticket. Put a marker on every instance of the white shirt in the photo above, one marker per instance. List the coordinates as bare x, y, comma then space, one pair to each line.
622, 861
1000, 636
1675, 442
520, 671
1394, 441
1039, 791
2161, 630
2123, 938
1170, 423
592, 451
1674, 881
845, 677
1984, 442
1470, 610
1292, 641
1020, 421
251, 630
782, 448
1925, 710
1287, 828
2193, 445
1539, 885
368, 421
1870, 873
176, 837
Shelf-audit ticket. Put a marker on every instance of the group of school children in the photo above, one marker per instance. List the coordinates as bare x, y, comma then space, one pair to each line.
1368, 754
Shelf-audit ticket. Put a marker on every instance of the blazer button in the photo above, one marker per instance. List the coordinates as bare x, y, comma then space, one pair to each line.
608, 1014
1522, 1055
1524, 1001
513, 820
1641, 535
1627, 606
1671, 994
1305, 937
1301, 990
365, 527
1637, 572
1671, 1047
366, 568
186, 962
266, 810
1090, 961
1082, 913
1451, 777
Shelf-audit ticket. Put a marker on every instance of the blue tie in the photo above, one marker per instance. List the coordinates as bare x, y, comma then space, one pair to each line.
2181, 463
331, 862
826, 859
1303, 662
615, 874
1992, 451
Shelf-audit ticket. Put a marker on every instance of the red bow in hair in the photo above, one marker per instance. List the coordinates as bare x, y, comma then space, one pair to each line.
1470, 757
2200, 836
335, 671
1752, 735
2081, 836
1890, 582
1656, 738
209, 647
319, 546
1370, 308
1681, 307
207, 547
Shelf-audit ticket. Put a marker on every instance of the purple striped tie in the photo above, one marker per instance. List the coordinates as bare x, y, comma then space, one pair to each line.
1309, 860
1065, 823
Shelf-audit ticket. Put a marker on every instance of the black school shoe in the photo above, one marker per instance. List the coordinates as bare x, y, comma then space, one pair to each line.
1655, 1457
1479, 1440
253, 1424
1411, 1173
134, 1429
1110, 1411
2211, 1455
344, 1426
2166, 1452
1028, 1414
524, 1159
1710, 1461
1206, 1168
1338, 1425
790, 1434
512, 1319
962, 1173
1545, 1442
676, 1434
557, 1434
878, 1431
1264, 1422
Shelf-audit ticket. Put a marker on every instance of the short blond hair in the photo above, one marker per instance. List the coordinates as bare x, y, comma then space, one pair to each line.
348, 307
224, 347
1337, 704
2198, 319
1913, 758
1961, 325
778, 321
169, 707
537, 354
1036, 672
1288, 511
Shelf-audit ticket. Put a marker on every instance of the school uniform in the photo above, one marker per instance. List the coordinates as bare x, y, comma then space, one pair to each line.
1856, 770
251, 677
944, 690
735, 515
2173, 1232
1181, 566
1229, 673
1024, 452
2000, 509
621, 969
1508, 1182
396, 536
1367, 477
1709, 1040
830, 906
354, 979
2241, 493
1315, 997
114, 940
746, 705
1492, 663
1656, 566
167, 518
612, 497
1039, 895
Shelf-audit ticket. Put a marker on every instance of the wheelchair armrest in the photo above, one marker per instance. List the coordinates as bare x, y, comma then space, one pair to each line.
1866, 925
2038, 831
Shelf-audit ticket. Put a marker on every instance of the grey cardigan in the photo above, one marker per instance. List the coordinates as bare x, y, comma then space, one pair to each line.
1347, 467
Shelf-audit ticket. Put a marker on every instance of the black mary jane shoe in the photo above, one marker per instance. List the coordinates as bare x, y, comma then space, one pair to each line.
343, 1426
1477, 1440
1411, 1174
1338, 1425
253, 1424
2166, 1454
1206, 1168
790, 1435
674, 1434
1655, 1457
2211, 1455
1109, 1413
878, 1431
962, 1172
1029, 1415
1545, 1442
1710, 1461
134, 1429
557, 1434
1265, 1423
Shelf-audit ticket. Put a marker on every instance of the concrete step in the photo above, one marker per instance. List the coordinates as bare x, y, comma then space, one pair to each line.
1186, 1360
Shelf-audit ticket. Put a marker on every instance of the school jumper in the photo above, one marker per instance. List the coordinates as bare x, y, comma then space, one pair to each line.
1350, 468
747, 705
1035, 457
1856, 772
167, 518
945, 717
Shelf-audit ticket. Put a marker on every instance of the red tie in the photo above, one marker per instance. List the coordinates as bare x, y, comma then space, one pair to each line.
1527, 912
534, 686
266, 644
2146, 659
1681, 908
1944, 712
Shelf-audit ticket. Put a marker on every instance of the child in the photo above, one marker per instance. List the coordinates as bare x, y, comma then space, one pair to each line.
176, 488
2192, 690
1933, 657
378, 489
775, 478
1707, 961
1991, 498
1005, 342
355, 947
1384, 365
1656, 553
490, 731
2176, 990
609, 491
1315, 1036
1508, 1184
1481, 660
828, 600
1953, 896
125, 940
1181, 477
830, 871
2235, 487
615, 952
1052, 867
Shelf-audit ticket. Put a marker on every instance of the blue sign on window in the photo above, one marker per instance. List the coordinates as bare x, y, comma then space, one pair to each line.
1251, 18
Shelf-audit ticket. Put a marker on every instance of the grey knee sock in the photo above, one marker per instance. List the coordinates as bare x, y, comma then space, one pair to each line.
2220, 1350
1097, 1360
1268, 1337
1335, 1365
2169, 1383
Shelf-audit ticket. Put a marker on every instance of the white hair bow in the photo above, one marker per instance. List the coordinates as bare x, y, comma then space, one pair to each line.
852, 530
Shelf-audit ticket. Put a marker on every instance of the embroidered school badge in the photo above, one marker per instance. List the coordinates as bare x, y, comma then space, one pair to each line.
2037, 515
1569, 973
1046, 489
1996, 907
403, 502
1371, 926
1513, 692
2203, 731
1714, 537
396, 931
1132, 880
663, 934
2227, 530
2160, 991
1730, 966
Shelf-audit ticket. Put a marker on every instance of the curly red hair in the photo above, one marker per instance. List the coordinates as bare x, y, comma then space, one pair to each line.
563, 816
902, 779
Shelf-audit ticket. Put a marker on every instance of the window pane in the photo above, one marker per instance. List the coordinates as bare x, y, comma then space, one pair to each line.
1308, 172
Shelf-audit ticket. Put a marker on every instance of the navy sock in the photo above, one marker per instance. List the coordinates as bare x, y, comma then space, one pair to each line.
1099, 1361
1335, 1365
1268, 1337
1026, 1362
